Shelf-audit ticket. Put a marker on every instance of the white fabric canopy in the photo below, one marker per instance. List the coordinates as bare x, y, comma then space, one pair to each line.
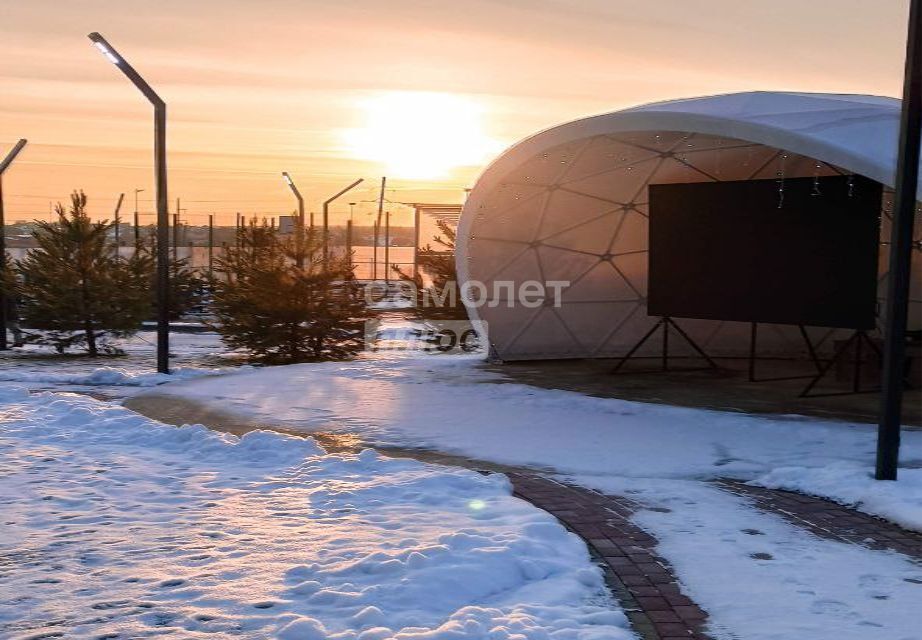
569, 204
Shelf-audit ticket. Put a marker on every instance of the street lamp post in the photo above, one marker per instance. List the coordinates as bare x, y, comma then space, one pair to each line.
326, 218
163, 215
374, 269
210, 246
7, 161
299, 229
349, 233
904, 209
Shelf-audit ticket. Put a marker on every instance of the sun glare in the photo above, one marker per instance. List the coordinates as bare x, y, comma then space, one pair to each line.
422, 135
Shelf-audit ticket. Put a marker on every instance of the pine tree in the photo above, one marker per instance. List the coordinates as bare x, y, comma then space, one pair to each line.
264, 303
186, 289
186, 286
436, 282
74, 290
9, 288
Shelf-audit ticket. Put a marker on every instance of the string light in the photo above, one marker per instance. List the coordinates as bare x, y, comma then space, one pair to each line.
781, 175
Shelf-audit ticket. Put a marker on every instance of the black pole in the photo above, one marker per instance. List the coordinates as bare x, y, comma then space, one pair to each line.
176, 233
387, 246
7, 161
137, 223
905, 188
374, 252
299, 239
299, 229
118, 224
349, 243
416, 242
163, 218
163, 241
210, 244
326, 218
326, 233
3, 320
378, 227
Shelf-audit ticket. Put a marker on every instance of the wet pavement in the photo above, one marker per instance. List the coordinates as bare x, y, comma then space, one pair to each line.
725, 389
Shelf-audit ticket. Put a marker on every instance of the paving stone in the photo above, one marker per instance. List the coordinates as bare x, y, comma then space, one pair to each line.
672, 629
653, 603
641, 580
689, 612
664, 616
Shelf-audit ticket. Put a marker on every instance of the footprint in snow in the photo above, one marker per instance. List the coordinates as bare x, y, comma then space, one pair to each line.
832, 606
113, 604
173, 582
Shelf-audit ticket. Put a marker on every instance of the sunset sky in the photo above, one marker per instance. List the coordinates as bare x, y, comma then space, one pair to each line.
425, 91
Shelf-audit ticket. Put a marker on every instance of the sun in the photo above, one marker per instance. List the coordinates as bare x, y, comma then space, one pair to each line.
421, 135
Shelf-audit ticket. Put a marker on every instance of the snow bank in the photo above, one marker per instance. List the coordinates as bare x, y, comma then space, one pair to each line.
127, 526
854, 485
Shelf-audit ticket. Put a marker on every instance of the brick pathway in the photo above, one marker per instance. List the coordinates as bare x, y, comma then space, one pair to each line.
642, 581
830, 520
645, 584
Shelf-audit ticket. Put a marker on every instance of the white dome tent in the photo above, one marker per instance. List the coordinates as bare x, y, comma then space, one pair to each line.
570, 204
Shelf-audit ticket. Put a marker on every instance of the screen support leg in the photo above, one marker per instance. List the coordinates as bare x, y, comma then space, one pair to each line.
664, 323
637, 346
857, 340
694, 345
810, 349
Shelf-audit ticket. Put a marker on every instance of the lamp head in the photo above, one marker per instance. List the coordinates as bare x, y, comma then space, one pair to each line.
100, 43
8, 160
288, 179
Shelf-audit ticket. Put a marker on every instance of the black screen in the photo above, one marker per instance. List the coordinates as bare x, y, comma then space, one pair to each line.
801, 251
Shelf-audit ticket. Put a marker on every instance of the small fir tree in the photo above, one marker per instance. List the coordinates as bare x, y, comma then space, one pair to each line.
74, 290
186, 289
281, 313
436, 282
9, 288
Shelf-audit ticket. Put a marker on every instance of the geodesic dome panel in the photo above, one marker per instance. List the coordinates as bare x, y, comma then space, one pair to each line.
570, 205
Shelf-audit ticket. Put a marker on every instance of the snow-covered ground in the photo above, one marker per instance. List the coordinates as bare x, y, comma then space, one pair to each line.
758, 576
118, 525
192, 355
450, 403
763, 578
